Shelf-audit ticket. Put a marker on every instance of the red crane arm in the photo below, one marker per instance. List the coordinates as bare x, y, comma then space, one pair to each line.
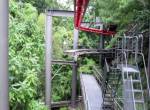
80, 9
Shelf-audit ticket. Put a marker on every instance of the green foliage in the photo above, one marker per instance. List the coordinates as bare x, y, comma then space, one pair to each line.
64, 108
62, 40
26, 53
41, 21
121, 12
61, 88
26, 46
41, 5
35, 105
87, 66
26, 57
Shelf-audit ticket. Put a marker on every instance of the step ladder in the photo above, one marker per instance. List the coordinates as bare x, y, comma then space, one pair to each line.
108, 99
108, 88
132, 88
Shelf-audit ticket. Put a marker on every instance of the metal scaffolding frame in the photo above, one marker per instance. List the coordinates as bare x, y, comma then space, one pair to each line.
123, 51
4, 103
148, 68
48, 56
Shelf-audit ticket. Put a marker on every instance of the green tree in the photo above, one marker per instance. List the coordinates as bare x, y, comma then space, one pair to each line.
26, 53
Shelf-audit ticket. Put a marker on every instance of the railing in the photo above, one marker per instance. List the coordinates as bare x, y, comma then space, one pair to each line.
117, 106
135, 50
107, 66
138, 52
146, 74
147, 79
86, 104
132, 93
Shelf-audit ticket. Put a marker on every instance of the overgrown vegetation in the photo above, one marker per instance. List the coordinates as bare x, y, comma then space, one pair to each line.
26, 45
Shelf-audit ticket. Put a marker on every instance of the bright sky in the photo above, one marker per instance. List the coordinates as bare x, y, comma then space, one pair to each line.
64, 3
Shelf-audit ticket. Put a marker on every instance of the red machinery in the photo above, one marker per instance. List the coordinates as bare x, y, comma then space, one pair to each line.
80, 9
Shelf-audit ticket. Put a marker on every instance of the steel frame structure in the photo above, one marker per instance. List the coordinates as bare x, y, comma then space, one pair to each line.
48, 56
132, 47
4, 97
60, 62
80, 9
149, 57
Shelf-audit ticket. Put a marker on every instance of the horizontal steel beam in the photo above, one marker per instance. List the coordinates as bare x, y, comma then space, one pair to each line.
64, 62
60, 13
79, 52
64, 103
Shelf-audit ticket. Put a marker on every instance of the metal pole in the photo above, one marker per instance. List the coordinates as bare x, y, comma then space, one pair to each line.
74, 70
101, 44
48, 60
4, 105
75, 39
74, 87
149, 56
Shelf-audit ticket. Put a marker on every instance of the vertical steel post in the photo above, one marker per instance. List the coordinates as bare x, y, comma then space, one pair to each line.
101, 46
4, 105
75, 39
74, 70
48, 60
149, 56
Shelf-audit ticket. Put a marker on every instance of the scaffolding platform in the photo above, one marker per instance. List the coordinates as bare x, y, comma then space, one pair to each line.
91, 91
128, 68
78, 52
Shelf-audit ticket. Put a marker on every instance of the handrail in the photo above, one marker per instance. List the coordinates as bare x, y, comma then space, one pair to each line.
115, 101
132, 92
118, 104
107, 67
55, 74
84, 95
125, 56
147, 79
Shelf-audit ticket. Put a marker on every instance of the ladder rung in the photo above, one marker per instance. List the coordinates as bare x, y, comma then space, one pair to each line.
113, 79
108, 100
139, 101
134, 80
107, 103
136, 90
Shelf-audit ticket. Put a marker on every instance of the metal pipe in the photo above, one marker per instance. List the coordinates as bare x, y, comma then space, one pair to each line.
75, 40
101, 46
4, 97
61, 62
61, 13
74, 70
134, 103
64, 103
74, 87
146, 74
149, 58
48, 60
